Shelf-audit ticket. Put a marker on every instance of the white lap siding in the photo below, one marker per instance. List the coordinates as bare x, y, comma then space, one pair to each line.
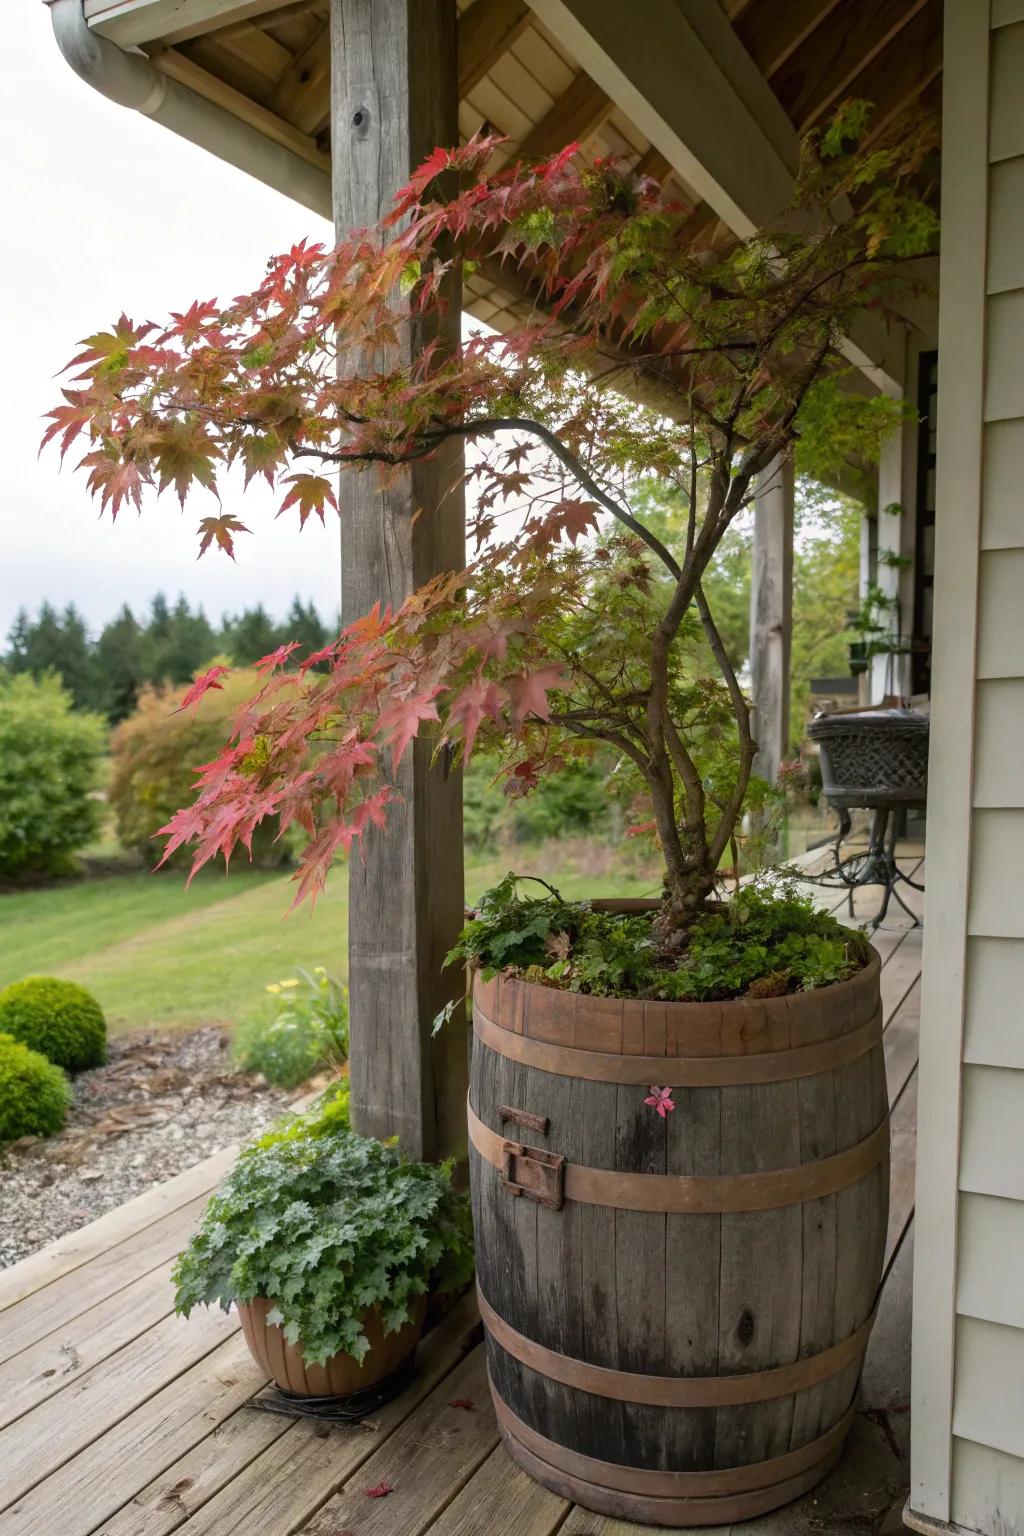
968, 1394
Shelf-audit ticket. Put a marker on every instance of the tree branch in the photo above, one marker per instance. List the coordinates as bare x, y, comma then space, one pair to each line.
487, 426
741, 710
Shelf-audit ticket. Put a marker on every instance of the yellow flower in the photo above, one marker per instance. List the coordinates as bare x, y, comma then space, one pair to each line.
292, 981
275, 986
318, 970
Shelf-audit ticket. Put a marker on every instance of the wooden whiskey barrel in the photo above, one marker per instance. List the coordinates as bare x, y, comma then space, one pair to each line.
677, 1309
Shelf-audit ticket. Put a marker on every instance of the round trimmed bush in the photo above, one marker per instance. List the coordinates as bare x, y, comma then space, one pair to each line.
34, 1094
58, 1018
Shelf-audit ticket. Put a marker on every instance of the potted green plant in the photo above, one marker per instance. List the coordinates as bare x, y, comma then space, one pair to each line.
678, 1116
329, 1244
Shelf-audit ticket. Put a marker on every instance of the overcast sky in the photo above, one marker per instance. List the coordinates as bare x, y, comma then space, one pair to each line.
104, 211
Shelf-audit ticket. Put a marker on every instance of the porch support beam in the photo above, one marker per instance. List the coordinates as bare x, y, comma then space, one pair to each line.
894, 577
697, 96
702, 101
394, 97
771, 615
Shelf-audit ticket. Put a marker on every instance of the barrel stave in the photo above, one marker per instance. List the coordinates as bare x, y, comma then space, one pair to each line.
761, 1270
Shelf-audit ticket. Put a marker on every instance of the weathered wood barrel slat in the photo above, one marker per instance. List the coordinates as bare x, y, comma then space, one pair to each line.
677, 1309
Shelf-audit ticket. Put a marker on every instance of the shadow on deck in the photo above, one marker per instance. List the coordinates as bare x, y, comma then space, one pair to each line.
118, 1418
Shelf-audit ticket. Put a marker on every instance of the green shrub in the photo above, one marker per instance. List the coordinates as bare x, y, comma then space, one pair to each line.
58, 1018
34, 1094
564, 804
305, 1030
156, 753
49, 757
328, 1226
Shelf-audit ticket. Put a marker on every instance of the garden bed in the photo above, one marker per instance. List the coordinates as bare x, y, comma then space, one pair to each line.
161, 1103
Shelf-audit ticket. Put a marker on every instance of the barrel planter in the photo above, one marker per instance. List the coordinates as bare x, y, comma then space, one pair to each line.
677, 1308
341, 1375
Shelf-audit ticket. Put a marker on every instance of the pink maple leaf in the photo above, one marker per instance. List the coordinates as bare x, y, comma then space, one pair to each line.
401, 721
661, 1100
529, 693
379, 1491
477, 701
201, 686
276, 658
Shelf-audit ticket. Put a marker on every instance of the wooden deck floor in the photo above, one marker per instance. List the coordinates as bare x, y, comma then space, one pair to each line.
118, 1418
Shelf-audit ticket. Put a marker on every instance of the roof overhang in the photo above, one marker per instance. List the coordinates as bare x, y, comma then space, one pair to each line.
716, 107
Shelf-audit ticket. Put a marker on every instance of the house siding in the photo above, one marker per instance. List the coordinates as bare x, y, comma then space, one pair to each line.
969, 1339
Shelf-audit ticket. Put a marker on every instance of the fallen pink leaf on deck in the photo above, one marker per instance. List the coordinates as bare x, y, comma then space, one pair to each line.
463, 1402
379, 1491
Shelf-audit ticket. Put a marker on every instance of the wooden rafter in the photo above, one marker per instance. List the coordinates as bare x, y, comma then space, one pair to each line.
575, 116
487, 30
824, 70
906, 71
653, 163
302, 96
174, 64
772, 36
255, 48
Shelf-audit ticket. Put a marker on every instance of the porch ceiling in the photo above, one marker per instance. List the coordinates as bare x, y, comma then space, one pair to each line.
268, 64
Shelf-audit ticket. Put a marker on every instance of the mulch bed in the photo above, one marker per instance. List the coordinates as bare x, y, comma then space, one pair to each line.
161, 1103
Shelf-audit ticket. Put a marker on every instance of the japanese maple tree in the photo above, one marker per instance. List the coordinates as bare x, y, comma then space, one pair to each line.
576, 622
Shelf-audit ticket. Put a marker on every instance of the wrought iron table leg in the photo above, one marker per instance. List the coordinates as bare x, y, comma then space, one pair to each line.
881, 862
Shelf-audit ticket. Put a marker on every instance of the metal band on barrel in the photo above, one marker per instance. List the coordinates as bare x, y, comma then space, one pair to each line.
676, 1391
705, 1194
750, 1477
680, 1071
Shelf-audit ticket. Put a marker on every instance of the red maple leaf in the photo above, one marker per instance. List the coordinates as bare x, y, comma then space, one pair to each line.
221, 530
401, 721
191, 324
309, 493
576, 517
379, 1491
315, 657
529, 693
479, 700
68, 420
201, 686
278, 657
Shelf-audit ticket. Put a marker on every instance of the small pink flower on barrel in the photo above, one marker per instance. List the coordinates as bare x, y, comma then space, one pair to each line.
661, 1100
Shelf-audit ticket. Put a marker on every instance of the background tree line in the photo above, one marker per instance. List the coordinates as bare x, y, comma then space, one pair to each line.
105, 672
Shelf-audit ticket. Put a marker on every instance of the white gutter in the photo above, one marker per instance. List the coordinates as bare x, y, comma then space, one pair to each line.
131, 80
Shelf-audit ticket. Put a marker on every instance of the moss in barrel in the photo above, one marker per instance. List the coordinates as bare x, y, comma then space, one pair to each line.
677, 1303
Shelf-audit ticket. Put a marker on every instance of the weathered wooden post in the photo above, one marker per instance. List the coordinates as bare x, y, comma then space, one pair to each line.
394, 97
771, 615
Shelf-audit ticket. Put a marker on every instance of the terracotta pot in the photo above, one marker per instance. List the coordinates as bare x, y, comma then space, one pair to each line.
341, 1375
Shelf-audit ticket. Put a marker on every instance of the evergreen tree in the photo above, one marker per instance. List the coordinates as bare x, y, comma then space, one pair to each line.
18, 642
55, 643
304, 624
170, 645
250, 635
121, 664
179, 642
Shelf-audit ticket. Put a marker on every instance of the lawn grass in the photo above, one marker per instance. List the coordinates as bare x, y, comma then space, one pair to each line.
158, 955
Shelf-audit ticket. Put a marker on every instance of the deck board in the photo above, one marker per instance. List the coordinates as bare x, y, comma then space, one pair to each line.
141, 1426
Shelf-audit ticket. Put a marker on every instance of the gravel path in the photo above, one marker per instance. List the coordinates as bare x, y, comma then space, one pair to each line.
160, 1104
